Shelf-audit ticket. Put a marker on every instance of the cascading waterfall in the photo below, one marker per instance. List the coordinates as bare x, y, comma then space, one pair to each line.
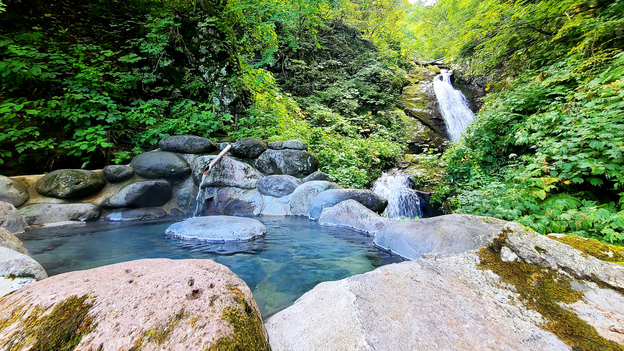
403, 201
453, 105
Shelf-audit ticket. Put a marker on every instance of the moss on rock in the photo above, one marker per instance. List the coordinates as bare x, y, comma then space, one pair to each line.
593, 247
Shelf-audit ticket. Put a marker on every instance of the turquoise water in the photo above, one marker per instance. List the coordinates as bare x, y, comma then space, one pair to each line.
295, 255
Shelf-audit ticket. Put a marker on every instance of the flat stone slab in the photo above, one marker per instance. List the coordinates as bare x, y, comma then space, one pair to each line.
217, 229
51, 213
138, 214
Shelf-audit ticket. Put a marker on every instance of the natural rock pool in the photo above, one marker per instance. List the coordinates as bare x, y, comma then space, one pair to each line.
295, 255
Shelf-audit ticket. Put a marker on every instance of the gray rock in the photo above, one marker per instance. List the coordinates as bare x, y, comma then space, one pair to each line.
187, 144
301, 197
248, 148
318, 175
147, 193
11, 219
331, 197
273, 207
250, 204
52, 213
15, 264
70, 183
293, 144
222, 146
8, 285
185, 194
118, 173
13, 191
434, 303
217, 229
278, 185
139, 214
449, 234
276, 145
293, 162
160, 164
354, 215
10, 241
228, 172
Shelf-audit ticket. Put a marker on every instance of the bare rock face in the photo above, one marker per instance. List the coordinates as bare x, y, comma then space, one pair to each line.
70, 183
10, 241
155, 304
11, 219
13, 191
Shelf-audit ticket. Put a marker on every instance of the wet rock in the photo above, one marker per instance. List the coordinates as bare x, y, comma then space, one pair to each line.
318, 175
70, 184
248, 148
331, 197
449, 234
292, 162
273, 207
217, 229
118, 173
13, 191
15, 264
247, 205
228, 172
187, 144
155, 304
278, 185
52, 213
354, 215
10, 241
139, 214
185, 194
303, 195
160, 164
147, 193
11, 219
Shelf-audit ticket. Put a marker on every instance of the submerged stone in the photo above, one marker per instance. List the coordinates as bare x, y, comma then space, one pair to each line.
217, 229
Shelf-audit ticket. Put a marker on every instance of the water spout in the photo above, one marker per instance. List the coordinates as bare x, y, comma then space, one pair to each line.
403, 201
202, 191
453, 105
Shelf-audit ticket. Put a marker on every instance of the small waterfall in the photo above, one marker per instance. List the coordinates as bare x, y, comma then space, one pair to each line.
453, 105
199, 200
403, 201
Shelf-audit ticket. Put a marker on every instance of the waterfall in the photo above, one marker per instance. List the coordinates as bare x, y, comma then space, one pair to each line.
199, 200
453, 105
403, 201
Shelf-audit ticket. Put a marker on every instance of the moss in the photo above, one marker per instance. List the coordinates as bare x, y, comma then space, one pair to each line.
595, 248
248, 330
159, 334
543, 290
60, 330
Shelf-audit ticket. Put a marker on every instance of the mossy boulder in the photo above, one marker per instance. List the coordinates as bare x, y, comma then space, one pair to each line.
70, 183
248, 148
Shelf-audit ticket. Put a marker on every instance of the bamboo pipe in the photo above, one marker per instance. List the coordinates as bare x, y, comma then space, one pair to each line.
219, 157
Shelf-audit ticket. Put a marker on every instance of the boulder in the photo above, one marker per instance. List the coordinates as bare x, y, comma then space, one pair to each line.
185, 194
292, 162
52, 213
11, 219
154, 304
147, 193
278, 185
249, 204
228, 172
15, 264
118, 173
10, 241
13, 191
248, 148
449, 234
354, 215
301, 197
139, 214
293, 144
8, 285
318, 175
217, 229
331, 197
223, 145
187, 144
273, 207
70, 183
160, 164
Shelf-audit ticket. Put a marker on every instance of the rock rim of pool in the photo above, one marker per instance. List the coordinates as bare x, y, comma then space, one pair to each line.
218, 229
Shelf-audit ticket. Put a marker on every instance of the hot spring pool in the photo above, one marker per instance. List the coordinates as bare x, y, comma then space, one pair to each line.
295, 255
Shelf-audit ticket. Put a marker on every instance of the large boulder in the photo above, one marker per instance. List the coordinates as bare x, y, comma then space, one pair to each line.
331, 197
118, 173
449, 234
228, 172
293, 144
248, 148
217, 229
318, 175
155, 304
13, 191
275, 206
70, 183
147, 193
138, 214
354, 215
278, 185
11, 219
10, 241
16, 264
187, 144
52, 213
303, 195
160, 164
247, 205
292, 162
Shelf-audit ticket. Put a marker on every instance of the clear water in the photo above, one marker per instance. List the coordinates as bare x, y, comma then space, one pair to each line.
295, 255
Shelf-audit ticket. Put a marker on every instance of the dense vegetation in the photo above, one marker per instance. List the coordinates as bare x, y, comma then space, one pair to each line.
546, 149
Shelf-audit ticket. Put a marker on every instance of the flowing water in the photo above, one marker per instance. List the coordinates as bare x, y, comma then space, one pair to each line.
403, 201
453, 105
295, 255
199, 200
